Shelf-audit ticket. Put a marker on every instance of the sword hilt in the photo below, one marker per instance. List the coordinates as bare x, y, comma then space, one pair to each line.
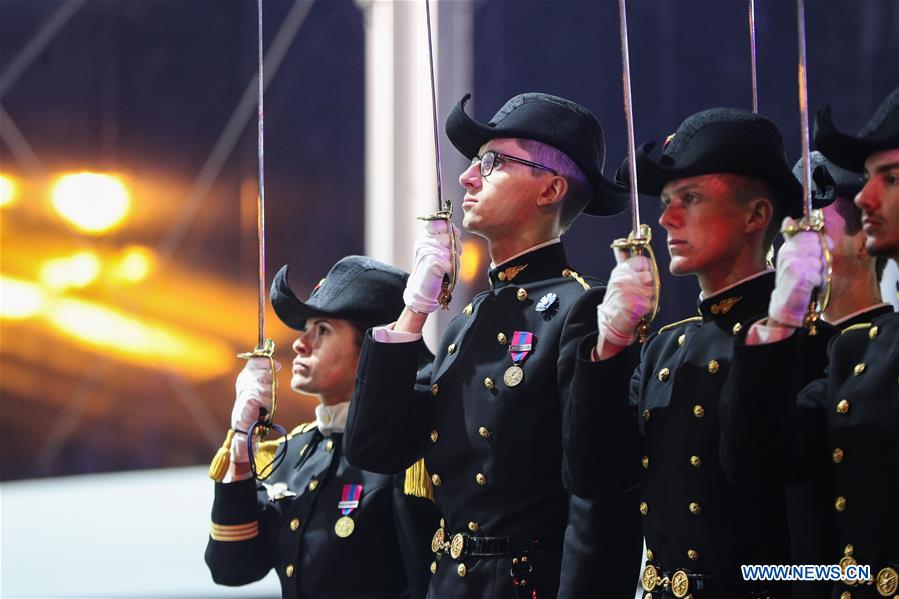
635, 245
814, 222
449, 280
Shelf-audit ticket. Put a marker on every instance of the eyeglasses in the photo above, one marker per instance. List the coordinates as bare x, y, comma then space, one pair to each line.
488, 161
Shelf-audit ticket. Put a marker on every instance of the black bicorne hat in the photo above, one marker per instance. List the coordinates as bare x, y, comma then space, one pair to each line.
357, 288
560, 123
829, 181
880, 133
721, 140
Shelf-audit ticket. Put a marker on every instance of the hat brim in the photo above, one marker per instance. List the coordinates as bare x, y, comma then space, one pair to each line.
652, 177
288, 307
847, 151
468, 135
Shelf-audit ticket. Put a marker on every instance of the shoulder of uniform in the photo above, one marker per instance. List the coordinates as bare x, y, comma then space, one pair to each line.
303, 428
862, 326
568, 272
674, 325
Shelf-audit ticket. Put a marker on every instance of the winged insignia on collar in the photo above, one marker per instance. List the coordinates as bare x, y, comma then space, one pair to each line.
513, 271
724, 306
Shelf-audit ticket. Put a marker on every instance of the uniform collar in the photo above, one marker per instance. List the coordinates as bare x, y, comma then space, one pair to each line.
740, 301
331, 419
544, 261
866, 315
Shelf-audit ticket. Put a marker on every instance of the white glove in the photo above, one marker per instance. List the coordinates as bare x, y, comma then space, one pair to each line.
254, 392
629, 297
432, 258
800, 264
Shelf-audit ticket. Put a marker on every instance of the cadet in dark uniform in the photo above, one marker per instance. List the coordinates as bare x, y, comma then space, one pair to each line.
724, 182
850, 418
329, 529
487, 418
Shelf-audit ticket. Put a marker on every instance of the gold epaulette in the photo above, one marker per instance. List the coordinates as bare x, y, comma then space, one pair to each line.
579, 279
668, 327
856, 327
418, 481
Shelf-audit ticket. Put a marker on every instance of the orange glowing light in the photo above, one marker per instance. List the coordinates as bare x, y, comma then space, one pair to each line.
472, 255
92, 202
78, 270
135, 264
8, 191
19, 299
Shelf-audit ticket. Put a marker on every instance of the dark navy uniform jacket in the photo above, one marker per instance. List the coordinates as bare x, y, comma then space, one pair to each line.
256, 528
494, 451
654, 419
848, 420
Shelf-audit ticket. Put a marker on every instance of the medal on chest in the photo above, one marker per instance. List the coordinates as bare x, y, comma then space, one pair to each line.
522, 344
349, 501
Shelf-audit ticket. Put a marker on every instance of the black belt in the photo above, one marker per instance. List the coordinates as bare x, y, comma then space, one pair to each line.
682, 583
464, 545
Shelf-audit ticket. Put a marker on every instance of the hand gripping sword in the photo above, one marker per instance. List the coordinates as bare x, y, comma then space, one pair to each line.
444, 206
638, 239
812, 219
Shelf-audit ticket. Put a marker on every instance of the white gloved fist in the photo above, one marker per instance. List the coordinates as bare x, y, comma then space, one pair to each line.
629, 297
432, 258
254, 392
800, 264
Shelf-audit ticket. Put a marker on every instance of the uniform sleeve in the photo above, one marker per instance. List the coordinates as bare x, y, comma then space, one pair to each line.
416, 520
387, 423
773, 423
600, 435
236, 553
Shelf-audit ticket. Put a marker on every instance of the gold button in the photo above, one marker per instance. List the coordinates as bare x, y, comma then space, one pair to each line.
566, 272
646, 414
840, 504
837, 455
451, 348
461, 570
295, 524
858, 369
289, 570
474, 526
845, 595
737, 328
488, 382
695, 461
502, 275
433, 567
664, 374
481, 479
434, 435
698, 411
872, 332
644, 508
329, 446
645, 461
680, 340
435, 389
647, 596
848, 550
693, 554
484, 432
713, 366
442, 523
521, 294
842, 407
695, 508
313, 484
303, 449
435, 478
649, 555
467, 310
502, 339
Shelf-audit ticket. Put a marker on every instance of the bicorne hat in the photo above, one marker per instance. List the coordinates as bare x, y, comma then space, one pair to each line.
880, 133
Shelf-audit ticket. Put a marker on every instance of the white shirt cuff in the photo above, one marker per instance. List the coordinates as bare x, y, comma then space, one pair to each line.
386, 334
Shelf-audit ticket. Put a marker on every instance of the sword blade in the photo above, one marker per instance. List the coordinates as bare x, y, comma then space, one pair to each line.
260, 211
803, 113
752, 56
442, 205
629, 117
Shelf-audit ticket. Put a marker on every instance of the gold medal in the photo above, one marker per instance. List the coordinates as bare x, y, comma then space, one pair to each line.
513, 375
344, 527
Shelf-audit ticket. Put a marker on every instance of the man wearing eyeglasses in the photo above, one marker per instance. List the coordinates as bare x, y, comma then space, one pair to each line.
486, 419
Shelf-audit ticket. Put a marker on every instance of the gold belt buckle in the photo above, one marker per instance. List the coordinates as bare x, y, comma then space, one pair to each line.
887, 581
438, 540
845, 562
680, 584
650, 578
457, 545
